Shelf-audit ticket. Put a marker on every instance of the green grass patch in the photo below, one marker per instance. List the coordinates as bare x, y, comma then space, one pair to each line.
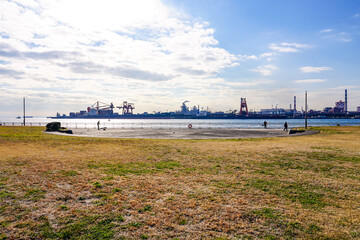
70, 173
6, 195
88, 228
63, 207
182, 222
135, 224
34, 194
146, 208
117, 190
296, 192
97, 184
266, 213
167, 165
313, 229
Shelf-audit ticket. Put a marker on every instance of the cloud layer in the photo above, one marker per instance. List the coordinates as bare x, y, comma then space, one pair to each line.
126, 46
288, 47
266, 70
310, 81
64, 55
315, 69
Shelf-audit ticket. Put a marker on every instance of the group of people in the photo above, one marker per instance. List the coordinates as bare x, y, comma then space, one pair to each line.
265, 124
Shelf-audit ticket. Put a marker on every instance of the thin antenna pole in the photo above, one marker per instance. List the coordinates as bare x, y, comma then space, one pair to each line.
24, 110
305, 109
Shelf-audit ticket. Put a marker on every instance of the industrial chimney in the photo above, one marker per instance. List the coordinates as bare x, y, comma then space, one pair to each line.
346, 102
294, 103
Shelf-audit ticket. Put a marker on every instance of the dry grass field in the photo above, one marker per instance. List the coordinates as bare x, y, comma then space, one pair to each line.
57, 187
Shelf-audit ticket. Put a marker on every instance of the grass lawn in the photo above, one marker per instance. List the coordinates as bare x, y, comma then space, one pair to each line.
57, 187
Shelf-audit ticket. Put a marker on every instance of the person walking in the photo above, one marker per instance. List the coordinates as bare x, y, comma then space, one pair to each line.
265, 124
285, 126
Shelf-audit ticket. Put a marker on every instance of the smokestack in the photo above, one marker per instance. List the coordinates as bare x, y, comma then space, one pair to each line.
346, 103
295, 103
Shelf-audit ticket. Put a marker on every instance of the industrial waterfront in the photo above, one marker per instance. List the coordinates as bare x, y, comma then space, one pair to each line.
102, 110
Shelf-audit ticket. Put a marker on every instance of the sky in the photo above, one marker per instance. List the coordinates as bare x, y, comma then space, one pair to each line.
64, 55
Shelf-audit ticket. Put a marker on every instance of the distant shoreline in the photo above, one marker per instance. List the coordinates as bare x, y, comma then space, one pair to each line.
353, 116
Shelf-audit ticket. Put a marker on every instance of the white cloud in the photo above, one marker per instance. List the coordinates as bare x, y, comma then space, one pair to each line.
249, 84
277, 49
247, 57
345, 39
266, 70
87, 47
326, 30
267, 55
287, 47
315, 69
332, 34
310, 81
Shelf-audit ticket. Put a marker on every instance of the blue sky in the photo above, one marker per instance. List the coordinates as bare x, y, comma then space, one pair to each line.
65, 55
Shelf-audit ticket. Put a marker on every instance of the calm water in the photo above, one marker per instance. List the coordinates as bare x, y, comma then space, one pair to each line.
181, 123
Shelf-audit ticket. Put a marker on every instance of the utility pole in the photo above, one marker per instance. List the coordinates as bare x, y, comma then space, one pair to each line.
305, 109
24, 110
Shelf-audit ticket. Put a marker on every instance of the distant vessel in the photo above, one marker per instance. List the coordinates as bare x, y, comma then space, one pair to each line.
18, 117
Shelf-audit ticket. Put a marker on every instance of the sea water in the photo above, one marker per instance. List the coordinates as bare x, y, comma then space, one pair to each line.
180, 123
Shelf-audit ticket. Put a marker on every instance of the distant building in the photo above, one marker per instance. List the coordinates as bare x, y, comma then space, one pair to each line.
340, 105
358, 109
328, 109
272, 111
338, 110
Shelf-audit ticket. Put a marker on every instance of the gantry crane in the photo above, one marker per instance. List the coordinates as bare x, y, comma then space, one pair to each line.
127, 108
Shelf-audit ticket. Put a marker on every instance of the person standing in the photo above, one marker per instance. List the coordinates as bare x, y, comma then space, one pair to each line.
265, 124
285, 126
98, 124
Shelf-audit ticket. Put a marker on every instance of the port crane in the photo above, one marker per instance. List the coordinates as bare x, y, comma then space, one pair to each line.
100, 106
127, 108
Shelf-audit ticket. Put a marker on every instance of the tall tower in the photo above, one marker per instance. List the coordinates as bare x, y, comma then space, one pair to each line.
294, 103
346, 102
243, 104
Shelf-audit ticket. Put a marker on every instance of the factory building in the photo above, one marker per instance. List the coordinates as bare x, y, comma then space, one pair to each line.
273, 111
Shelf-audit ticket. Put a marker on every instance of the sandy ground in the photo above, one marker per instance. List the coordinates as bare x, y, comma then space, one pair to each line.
184, 133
